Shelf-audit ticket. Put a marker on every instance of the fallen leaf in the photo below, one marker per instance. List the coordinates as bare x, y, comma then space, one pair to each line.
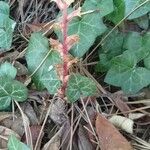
66, 134
46, 28
4, 115
58, 109
123, 123
135, 116
109, 137
16, 124
35, 130
118, 99
29, 111
83, 140
21, 69
53, 144
5, 133
9, 56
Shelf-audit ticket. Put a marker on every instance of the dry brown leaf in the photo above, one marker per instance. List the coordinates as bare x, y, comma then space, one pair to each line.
118, 99
29, 111
58, 110
4, 134
83, 140
9, 56
53, 144
109, 137
21, 69
35, 130
16, 124
46, 28
66, 134
4, 115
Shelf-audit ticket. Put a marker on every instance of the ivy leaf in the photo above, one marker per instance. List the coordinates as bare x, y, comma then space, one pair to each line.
124, 7
146, 43
4, 8
51, 81
15, 144
104, 6
140, 53
11, 90
79, 86
104, 64
137, 45
133, 41
38, 48
7, 70
135, 79
93, 21
147, 62
87, 37
126, 75
119, 10
6, 31
112, 47
143, 22
120, 64
132, 4
81, 26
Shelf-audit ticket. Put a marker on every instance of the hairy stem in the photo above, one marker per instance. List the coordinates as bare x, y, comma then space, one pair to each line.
65, 49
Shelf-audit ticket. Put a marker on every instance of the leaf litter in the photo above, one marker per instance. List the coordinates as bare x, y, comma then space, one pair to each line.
86, 130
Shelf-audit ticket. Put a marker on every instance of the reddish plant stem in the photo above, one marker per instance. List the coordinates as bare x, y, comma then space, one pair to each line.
65, 49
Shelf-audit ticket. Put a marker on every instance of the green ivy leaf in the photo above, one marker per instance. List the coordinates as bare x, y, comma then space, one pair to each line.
79, 86
104, 6
88, 27
51, 81
7, 26
11, 90
124, 7
120, 64
126, 75
137, 45
112, 47
147, 62
6, 31
7, 70
131, 4
119, 10
135, 79
146, 41
104, 64
87, 37
140, 53
4, 8
37, 50
15, 144
143, 22
133, 41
